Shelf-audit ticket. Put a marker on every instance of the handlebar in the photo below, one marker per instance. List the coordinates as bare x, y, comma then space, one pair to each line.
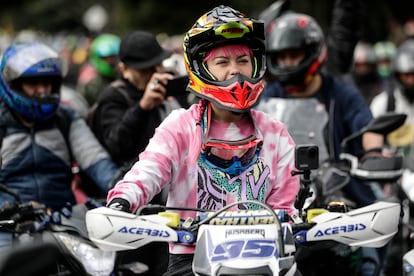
223, 216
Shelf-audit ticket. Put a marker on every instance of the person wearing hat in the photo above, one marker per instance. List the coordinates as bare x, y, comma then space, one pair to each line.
130, 108
128, 111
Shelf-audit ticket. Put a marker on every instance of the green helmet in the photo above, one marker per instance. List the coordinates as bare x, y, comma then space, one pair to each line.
102, 46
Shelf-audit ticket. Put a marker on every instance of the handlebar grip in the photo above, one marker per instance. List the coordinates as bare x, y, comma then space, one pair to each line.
296, 227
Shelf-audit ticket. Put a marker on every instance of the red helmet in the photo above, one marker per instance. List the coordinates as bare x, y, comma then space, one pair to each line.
222, 26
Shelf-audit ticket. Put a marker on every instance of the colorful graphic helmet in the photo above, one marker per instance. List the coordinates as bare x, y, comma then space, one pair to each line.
222, 26
295, 31
27, 61
104, 45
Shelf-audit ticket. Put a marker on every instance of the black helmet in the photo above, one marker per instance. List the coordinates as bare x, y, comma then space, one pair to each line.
222, 26
295, 31
404, 63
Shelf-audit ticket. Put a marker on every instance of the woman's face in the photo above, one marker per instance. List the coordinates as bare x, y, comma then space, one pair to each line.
225, 65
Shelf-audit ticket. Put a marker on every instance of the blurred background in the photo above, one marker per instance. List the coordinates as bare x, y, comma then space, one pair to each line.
69, 26
382, 17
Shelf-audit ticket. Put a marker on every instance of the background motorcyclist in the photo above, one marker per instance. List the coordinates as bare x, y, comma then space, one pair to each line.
296, 53
218, 151
401, 99
129, 109
37, 151
344, 31
364, 71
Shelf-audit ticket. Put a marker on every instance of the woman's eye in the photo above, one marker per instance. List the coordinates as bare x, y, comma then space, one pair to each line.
221, 62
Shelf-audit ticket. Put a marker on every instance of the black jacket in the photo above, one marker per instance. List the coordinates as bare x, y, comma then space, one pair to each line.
344, 34
122, 127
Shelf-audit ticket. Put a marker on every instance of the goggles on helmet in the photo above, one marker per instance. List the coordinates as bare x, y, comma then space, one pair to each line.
232, 157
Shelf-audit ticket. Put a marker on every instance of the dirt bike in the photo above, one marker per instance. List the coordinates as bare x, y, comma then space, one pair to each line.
53, 243
259, 242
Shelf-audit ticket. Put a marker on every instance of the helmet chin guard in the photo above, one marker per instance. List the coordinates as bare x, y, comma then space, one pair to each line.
237, 94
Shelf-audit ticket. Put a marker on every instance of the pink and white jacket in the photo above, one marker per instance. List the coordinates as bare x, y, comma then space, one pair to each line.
172, 157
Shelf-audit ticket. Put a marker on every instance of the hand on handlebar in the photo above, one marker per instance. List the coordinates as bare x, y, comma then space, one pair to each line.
119, 204
374, 153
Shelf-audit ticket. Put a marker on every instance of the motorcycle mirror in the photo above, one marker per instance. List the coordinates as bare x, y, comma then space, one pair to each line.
382, 124
386, 123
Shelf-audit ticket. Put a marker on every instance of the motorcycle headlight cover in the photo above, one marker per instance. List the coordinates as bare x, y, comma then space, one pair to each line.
218, 27
30, 61
94, 260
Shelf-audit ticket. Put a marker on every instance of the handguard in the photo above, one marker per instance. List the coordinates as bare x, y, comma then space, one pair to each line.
370, 226
385, 169
114, 230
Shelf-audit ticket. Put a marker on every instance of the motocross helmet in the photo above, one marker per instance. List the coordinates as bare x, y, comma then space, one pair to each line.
28, 61
295, 31
404, 63
104, 45
218, 27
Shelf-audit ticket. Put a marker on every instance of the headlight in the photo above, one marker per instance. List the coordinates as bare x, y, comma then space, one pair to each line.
95, 261
408, 269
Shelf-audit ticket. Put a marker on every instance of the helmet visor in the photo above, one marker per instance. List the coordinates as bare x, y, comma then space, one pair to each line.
32, 61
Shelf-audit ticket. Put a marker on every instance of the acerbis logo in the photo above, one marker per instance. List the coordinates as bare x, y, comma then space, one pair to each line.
340, 229
144, 232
